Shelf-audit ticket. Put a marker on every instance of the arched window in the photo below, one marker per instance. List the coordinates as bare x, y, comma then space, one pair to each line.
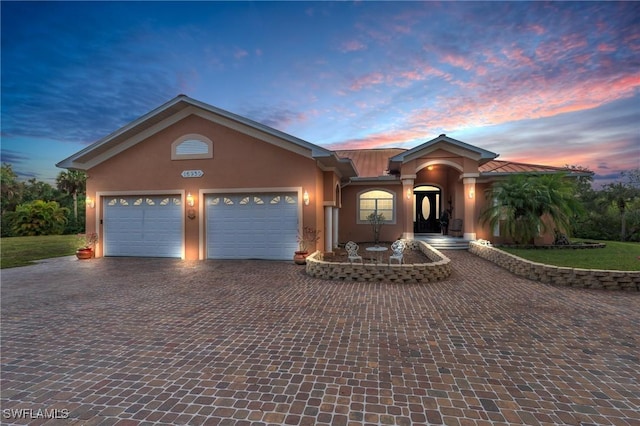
192, 146
377, 201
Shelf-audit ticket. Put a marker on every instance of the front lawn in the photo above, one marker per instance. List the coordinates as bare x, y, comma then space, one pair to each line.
22, 251
616, 255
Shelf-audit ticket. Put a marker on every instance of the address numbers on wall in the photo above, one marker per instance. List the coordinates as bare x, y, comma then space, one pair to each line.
192, 173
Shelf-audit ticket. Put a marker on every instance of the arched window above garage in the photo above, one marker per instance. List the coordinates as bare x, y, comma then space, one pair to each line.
192, 146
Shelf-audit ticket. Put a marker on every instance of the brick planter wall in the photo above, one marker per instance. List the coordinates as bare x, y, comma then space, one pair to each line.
438, 269
557, 275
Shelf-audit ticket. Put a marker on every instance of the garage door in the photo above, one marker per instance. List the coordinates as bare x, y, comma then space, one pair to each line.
252, 226
143, 226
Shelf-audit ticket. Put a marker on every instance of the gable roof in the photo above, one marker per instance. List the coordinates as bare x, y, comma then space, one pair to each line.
183, 106
442, 142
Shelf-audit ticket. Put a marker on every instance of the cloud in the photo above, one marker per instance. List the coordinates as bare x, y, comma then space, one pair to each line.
12, 157
240, 53
366, 81
278, 118
352, 46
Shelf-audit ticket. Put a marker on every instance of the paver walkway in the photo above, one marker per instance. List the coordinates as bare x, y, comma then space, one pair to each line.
149, 341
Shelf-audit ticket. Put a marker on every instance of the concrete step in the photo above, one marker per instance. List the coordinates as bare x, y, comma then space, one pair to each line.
442, 242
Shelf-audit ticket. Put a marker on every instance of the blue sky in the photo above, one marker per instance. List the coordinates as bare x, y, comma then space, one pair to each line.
545, 83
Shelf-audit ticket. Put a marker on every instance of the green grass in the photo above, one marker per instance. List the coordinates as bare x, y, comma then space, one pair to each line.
22, 251
616, 255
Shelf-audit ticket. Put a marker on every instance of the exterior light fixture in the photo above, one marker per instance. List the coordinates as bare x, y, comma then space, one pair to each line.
305, 198
429, 167
471, 193
191, 212
90, 202
408, 193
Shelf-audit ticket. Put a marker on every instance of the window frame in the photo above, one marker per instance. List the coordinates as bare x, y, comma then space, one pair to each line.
189, 137
393, 205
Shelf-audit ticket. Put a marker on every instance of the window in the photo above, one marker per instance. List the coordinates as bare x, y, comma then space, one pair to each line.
192, 146
376, 201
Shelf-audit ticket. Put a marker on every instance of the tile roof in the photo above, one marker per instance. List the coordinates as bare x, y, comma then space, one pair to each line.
499, 166
370, 162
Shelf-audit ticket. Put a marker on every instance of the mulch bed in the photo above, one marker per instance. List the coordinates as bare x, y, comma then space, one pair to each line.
410, 256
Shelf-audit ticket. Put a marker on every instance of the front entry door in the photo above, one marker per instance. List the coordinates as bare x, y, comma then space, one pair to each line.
427, 212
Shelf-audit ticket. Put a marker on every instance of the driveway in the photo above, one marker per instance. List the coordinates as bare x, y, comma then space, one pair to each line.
151, 341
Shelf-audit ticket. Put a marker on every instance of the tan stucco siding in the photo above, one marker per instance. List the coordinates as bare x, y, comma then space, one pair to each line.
239, 162
351, 230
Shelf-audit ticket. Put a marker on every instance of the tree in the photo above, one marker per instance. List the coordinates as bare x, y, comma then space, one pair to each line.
36, 190
522, 202
376, 220
39, 218
72, 182
623, 196
11, 189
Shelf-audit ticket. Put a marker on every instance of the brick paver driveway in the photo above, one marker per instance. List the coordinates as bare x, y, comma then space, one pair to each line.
128, 341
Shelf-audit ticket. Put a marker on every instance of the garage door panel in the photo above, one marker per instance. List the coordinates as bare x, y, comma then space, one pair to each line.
143, 226
246, 226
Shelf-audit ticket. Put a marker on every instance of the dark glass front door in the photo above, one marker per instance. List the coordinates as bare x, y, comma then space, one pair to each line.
427, 212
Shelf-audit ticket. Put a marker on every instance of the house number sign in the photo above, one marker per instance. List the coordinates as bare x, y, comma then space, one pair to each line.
192, 173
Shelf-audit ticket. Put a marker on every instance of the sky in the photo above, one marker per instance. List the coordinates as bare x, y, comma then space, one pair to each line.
545, 83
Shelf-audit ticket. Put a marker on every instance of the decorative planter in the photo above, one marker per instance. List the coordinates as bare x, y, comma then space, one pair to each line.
300, 257
85, 253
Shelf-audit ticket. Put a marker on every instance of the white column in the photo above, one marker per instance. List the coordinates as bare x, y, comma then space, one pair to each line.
407, 208
335, 226
469, 208
328, 229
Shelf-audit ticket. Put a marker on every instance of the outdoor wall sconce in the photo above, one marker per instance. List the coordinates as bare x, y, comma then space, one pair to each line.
305, 198
191, 212
408, 193
471, 193
90, 202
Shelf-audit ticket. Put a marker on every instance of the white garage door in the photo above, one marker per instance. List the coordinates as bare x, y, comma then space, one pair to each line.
143, 226
252, 226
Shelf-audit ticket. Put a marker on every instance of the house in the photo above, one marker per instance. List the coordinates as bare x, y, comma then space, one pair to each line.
192, 181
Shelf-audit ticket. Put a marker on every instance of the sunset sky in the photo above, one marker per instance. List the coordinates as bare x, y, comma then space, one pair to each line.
546, 83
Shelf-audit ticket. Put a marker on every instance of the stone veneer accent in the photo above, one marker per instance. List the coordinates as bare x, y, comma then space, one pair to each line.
558, 275
438, 269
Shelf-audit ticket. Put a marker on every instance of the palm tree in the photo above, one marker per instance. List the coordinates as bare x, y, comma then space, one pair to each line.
72, 182
521, 203
620, 196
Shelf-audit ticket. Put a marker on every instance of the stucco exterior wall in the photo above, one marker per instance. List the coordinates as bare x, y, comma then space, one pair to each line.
239, 162
351, 230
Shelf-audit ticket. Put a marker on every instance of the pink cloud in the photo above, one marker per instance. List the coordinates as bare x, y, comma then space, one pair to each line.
371, 79
517, 56
606, 48
458, 61
537, 29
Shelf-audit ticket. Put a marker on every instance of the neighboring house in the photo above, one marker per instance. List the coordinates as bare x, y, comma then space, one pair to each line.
192, 181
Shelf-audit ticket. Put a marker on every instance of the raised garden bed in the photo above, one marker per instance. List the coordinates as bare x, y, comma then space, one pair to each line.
411, 256
434, 267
